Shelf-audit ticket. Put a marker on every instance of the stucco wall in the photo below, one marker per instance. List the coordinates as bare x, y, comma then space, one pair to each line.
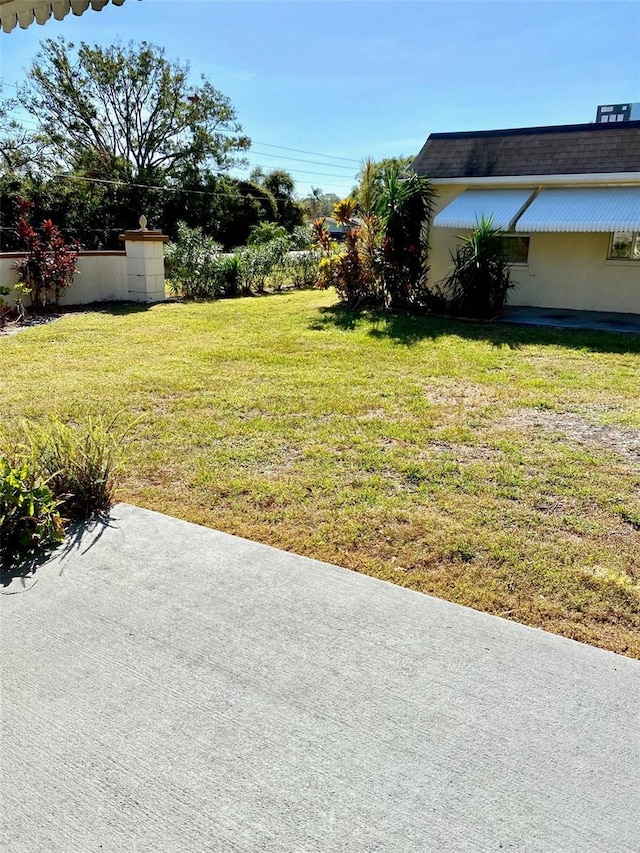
564, 270
101, 277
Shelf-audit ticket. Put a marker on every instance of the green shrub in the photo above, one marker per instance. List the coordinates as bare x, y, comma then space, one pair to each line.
79, 463
4, 308
480, 279
265, 232
227, 276
29, 518
198, 269
301, 268
302, 237
193, 264
262, 263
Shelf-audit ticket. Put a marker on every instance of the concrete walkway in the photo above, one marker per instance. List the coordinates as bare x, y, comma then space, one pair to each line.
170, 689
565, 318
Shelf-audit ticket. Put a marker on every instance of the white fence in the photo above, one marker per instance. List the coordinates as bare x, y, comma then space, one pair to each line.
134, 275
101, 277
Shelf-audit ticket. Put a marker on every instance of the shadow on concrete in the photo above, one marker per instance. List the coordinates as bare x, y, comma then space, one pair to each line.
408, 330
81, 537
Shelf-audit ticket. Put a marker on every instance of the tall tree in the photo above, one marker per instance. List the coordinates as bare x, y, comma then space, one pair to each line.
319, 203
281, 185
128, 104
20, 150
371, 180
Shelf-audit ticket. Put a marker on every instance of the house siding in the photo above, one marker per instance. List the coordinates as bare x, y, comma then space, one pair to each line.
565, 270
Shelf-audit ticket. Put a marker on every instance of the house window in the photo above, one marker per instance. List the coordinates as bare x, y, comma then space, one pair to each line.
516, 248
625, 245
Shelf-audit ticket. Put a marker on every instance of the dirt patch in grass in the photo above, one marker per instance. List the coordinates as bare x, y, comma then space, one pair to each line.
459, 393
623, 441
463, 452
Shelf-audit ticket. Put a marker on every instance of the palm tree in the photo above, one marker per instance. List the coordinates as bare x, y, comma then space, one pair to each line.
404, 208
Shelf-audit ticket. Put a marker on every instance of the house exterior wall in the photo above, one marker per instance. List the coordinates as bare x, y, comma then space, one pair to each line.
564, 270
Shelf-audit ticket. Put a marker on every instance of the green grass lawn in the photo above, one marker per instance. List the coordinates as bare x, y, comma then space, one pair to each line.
498, 467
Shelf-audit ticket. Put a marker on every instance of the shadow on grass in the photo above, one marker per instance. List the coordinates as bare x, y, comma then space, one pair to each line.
80, 536
115, 309
408, 330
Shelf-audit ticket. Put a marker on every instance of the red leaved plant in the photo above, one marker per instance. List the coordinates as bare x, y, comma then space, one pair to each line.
47, 269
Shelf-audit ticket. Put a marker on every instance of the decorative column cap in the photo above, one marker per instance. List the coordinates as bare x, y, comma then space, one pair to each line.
143, 234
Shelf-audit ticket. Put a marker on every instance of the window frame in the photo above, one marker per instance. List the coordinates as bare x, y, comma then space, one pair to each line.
511, 235
635, 236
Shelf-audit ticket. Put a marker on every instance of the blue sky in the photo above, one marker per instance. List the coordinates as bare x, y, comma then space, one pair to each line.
356, 78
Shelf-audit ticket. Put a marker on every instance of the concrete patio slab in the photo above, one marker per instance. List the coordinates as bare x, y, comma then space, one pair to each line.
168, 688
565, 318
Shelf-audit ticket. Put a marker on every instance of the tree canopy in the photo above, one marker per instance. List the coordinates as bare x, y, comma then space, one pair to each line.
371, 180
281, 186
122, 130
130, 105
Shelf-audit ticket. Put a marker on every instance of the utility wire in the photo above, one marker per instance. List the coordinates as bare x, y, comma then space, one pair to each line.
299, 159
273, 167
268, 145
63, 176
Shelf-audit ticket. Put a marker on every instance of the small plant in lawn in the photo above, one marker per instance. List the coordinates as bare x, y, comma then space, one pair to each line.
49, 265
80, 463
29, 517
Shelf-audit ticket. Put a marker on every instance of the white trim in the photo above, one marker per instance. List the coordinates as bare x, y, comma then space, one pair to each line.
601, 178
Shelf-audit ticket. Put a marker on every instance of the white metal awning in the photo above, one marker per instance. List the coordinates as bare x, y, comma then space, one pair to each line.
582, 209
467, 209
25, 12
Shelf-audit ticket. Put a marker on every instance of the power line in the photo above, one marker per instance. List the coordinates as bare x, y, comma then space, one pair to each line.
269, 165
63, 176
302, 172
300, 160
272, 145
313, 153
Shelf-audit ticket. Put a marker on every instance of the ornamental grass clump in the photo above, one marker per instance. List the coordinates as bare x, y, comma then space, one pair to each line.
80, 463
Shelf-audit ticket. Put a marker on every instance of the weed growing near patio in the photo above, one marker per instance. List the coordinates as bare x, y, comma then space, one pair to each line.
29, 517
79, 462
495, 466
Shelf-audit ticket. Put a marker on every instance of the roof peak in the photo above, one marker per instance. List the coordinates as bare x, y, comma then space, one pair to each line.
597, 127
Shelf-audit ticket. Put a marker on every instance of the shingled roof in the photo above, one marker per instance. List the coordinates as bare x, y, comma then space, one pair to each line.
570, 149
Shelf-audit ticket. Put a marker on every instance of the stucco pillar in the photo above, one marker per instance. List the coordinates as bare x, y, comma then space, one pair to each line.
145, 263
